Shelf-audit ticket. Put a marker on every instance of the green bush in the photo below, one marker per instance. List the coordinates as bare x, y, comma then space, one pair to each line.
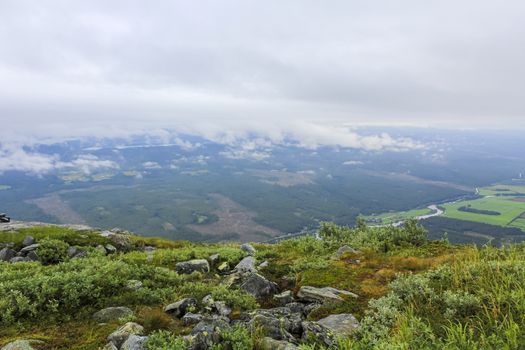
164, 340
52, 251
238, 338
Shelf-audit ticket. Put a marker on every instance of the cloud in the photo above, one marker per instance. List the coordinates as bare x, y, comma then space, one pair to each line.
16, 158
66, 64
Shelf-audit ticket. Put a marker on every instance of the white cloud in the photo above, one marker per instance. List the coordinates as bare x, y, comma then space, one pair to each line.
151, 165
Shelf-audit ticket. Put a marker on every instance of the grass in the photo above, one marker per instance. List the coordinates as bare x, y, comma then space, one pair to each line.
390, 218
412, 293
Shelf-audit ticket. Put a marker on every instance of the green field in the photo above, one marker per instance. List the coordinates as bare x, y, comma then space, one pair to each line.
507, 200
393, 217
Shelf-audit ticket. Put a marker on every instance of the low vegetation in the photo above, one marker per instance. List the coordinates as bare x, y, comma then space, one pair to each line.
413, 293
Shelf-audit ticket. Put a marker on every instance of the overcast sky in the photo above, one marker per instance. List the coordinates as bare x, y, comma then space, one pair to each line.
67, 66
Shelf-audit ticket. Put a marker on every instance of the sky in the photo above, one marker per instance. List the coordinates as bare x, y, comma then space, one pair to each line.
301, 67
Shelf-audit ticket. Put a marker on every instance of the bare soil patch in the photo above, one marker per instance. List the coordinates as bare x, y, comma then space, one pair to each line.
53, 204
234, 218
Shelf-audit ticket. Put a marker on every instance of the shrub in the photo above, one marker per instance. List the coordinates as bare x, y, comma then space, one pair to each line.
238, 338
164, 340
52, 251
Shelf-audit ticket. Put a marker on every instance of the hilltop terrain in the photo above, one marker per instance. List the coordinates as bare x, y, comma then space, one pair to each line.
360, 288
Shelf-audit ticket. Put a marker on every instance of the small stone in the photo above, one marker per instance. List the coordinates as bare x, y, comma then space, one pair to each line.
101, 249
110, 249
109, 346
28, 240
112, 313
263, 264
322, 295
208, 300
248, 248
223, 267
181, 307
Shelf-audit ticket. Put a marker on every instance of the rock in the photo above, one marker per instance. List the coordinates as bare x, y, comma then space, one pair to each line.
18, 259
133, 285
80, 254
322, 295
187, 267
134, 342
344, 250
289, 321
314, 332
223, 267
296, 307
263, 264
28, 240
246, 265
112, 313
214, 260
208, 332
341, 324
248, 248
283, 298
119, 336
30, 248
191, 318
222, 308
121, 241
7, 254
258, 286
110, 249
208, 300
21, 344
268, 343
72, 251
270, 326
32, 256
309, 308
181, 307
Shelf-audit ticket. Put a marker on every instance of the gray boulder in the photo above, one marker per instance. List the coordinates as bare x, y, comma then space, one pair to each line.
222, 308
21, 344
268, 343
341, 324
208, 332
18, 259
187, 267
29, 248
119, 336
7, 254
112, 313
246, 265
322, 295
271, 326
214, 260
258, 286
190, 318
72, 251
32, 256
101, 249
314, 332
181, 307
109, 346
248, 248
289, 321
134, 342
28, 240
